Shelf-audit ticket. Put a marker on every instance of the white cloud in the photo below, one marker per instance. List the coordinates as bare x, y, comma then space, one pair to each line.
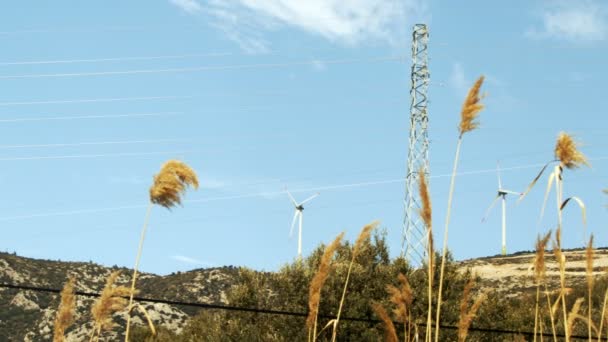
343, 21
189, 6
189, 260
318, 65
572, 20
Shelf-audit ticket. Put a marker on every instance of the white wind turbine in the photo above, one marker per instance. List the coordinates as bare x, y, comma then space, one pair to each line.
502, 194
298, 214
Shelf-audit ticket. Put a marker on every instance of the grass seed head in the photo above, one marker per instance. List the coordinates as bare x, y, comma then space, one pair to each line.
66, 312
402, 297
364, 237
171, 182
589, 263
566, 151
110, 301
319, 279
390, 334
471, 108
540, 270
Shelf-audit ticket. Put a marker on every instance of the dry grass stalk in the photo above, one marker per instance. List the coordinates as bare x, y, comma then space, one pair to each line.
168, 186
561, 260
467, 314
426, 213
390, 334
469, 113
361, 240
589, 275
471, 108
110, 301
573, 315
66, 311
566, 151
402, 297
540, 273
316, 285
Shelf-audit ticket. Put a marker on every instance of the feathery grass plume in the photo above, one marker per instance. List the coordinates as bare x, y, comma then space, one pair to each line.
171, 182
467, 314
168, 186
426, 214
362, 239
573, 315
469, 113
110, 301
317, 284
66, 312
566, 151
390, 334
540, 273
589, 276
402, 297
471, 108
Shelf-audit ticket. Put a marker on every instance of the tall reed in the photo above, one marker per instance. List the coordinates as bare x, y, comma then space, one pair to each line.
390, 334
426, 213
66, 312
540, 273
168, 187
402, 298
314, 297
110, 301
468, 116
361, 240
589, 275
468, 313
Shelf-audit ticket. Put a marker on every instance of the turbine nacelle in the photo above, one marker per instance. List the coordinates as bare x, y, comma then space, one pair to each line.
297, 217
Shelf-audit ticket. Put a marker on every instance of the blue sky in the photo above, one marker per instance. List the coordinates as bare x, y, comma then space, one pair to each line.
257, 95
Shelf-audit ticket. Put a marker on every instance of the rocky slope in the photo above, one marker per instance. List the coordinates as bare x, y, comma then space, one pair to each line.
29, 315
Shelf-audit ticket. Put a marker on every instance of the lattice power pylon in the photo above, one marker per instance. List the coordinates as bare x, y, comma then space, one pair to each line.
413, 245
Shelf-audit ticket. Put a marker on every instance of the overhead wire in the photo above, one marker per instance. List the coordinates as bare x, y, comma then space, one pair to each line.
92, 143
115, 59
276, 312
207, 68
87, 117
277, 193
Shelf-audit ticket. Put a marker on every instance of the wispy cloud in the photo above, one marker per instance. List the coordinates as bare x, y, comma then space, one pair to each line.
457, 79
189, 6
191, 261
343, 21
585, 20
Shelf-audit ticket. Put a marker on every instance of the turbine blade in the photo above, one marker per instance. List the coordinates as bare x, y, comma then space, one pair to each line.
485, 216
293, 200
309, 198
511, 192
293, 222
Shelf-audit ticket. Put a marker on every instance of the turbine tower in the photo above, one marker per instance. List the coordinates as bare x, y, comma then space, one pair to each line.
413, 244
299, 212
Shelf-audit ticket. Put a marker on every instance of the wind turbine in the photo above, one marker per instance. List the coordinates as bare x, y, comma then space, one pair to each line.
502, 194
298, 214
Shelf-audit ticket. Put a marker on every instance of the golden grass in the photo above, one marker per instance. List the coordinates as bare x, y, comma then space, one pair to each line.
590, 280
361, 240
390, 334
468, 313
316, 285
168, 187
171, 182
402, 297
540, 273
471, 108
426, 213
566, 151
110, 301
468, 117
66, 311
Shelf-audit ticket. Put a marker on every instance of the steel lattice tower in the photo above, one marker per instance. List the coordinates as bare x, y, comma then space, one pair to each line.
413, 245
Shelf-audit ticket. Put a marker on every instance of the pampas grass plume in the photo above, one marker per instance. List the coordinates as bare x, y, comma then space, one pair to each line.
319, 279
566, 151
171, 182
471, 108
390, 334
110, 301
66, 312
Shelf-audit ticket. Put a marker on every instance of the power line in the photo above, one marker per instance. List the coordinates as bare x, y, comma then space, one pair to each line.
86, 156
275, 312
114, 99
275, 193
206, 68
92, 143
86, 117
115, 59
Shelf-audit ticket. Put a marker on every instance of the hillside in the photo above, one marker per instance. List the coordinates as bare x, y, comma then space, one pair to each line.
28, 315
